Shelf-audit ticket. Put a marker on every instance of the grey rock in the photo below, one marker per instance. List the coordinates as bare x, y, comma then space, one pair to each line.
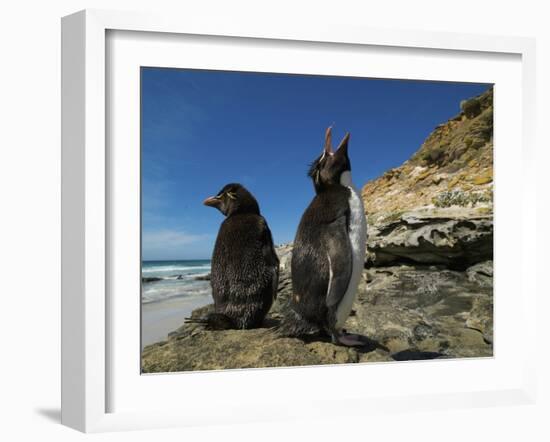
284, 252
480, 317
150, 279
423, 311
419, 237
482, 273
203, 277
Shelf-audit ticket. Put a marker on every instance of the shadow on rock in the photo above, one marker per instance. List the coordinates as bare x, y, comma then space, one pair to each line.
369, 344
415, 355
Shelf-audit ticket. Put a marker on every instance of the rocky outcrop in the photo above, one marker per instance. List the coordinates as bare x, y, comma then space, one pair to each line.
409, 312
450, 237
150, 279
202, 277
452, 168
426, 309
192, 348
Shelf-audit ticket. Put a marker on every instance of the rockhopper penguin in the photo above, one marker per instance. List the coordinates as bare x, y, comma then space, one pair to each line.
329, 251
245, 267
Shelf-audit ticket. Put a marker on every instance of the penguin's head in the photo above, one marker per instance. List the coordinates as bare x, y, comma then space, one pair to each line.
232, 199
331, 167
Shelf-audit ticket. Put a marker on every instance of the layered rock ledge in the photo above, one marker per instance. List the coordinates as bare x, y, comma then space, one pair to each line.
454, 237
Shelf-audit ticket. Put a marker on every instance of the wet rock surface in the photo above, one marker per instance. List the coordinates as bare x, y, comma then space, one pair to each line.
414, 311
146, 279
427, 311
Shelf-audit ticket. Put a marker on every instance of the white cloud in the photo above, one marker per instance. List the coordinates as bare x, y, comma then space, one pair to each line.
158, 239
171, 244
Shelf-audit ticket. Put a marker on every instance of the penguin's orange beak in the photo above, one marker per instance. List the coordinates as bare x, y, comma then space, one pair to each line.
212, 201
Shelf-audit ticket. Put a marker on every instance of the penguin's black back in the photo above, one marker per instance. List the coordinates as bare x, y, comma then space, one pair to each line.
245, 269
322, 229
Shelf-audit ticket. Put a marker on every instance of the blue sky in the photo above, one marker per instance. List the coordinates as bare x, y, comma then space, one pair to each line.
204, 129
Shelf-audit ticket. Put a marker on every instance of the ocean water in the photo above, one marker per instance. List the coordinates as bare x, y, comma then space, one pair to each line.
178, 280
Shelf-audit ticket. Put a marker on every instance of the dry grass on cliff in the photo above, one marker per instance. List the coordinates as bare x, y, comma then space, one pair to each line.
454, 165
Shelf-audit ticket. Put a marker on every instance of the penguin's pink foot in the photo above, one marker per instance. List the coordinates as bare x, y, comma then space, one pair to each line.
351, 340
362, 343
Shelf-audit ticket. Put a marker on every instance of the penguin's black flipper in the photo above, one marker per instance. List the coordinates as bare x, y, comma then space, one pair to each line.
340, 261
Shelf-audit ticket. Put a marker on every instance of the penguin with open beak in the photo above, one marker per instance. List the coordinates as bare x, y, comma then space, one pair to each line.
245, 267
329, 251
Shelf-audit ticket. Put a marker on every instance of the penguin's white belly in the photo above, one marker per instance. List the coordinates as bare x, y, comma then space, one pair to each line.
358, 241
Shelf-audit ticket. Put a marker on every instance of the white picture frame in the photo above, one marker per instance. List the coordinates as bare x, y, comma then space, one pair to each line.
86, 203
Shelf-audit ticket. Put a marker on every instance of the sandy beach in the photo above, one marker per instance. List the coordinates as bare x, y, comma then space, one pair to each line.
170, 292
160, 318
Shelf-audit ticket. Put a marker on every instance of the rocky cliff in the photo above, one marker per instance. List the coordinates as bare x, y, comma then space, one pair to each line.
427, 287
452, 168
